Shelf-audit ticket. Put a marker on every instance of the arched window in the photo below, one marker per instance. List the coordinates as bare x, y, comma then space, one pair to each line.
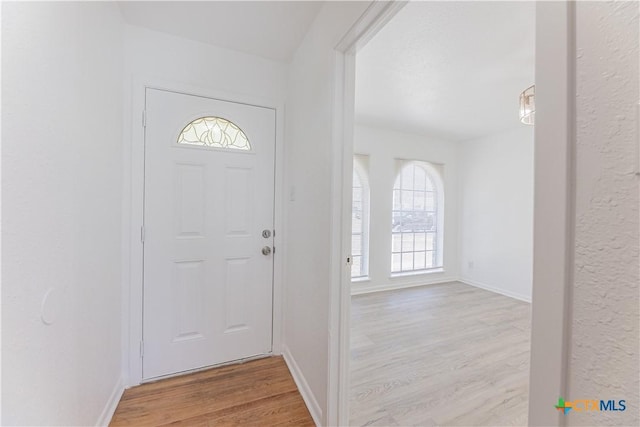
360, 219
417, 218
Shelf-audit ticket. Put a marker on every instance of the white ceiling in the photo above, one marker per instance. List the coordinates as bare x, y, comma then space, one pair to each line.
271, 29
452, 70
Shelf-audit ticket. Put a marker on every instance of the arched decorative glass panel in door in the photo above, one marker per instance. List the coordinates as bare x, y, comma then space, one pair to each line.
214, 132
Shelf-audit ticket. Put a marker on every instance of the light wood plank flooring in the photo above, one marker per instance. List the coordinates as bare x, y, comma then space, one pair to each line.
257, 393
448, 354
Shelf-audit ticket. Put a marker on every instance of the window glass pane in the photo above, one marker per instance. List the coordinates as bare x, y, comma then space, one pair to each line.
430, 202
407, 178
356, 267
356, 222
396, 242
357, 195
407, 261
420, 179
419, 200
431, 221
356, 180
419, 260
395, 263
407, 200
431, 244
356, 244
429, 184
430, 261
407, 242
420, 241
419, 221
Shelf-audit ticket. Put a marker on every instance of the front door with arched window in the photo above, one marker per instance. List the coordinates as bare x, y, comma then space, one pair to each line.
208, 232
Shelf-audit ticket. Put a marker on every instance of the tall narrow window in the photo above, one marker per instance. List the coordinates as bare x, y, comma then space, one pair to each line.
416, 220
360, 219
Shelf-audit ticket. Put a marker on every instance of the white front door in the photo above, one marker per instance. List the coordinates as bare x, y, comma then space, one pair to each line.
208, 215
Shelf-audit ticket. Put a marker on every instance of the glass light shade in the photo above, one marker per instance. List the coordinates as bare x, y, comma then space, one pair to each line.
528, 106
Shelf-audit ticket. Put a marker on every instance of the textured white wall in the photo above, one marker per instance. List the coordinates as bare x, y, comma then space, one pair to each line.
152, 55
605, 330
496, 212
384, 146
61, 191
308, 166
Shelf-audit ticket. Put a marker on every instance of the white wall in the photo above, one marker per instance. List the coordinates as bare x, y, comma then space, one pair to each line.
158, 59
496, 212
309, 172
152, 55
384, 146
605, 330
61, 184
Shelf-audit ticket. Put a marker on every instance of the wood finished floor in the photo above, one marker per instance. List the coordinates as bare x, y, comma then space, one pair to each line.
257, 393
439, 355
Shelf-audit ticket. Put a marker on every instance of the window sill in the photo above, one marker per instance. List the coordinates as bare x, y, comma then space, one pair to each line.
417, 273
360, 279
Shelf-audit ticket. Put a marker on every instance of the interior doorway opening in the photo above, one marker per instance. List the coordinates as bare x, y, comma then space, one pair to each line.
455, 242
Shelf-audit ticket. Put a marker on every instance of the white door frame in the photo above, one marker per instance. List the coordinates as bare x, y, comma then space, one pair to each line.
133, 215
553, 211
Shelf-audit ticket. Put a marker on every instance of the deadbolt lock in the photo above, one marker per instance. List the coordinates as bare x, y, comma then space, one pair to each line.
266, 233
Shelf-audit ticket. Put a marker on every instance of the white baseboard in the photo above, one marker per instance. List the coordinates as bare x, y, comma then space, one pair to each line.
515, 295
303, 386
367, 288
112, 404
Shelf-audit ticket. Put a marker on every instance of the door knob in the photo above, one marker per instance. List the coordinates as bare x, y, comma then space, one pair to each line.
266, 250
